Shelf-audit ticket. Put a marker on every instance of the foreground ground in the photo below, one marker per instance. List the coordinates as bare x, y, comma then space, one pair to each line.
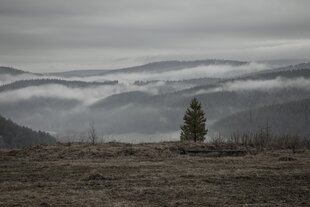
162, 174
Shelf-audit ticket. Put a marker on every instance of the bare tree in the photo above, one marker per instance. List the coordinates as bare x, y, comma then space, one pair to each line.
92, 134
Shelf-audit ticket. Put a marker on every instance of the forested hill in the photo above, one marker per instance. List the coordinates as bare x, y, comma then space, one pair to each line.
291, 118
39, 82
15, 136
162, 66
292, 71
11, 71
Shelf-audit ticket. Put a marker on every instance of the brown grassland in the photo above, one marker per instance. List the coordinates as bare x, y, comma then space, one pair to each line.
158, 174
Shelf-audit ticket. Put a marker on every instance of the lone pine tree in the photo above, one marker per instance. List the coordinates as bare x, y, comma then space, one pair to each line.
194, 128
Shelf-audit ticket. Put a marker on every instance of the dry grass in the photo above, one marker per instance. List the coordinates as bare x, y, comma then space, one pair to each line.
117, 174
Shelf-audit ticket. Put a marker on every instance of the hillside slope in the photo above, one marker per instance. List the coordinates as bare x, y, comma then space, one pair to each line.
287, 118
41, 82
10, 71
15, 136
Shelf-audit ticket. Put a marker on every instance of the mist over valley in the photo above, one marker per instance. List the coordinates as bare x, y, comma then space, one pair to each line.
145, 103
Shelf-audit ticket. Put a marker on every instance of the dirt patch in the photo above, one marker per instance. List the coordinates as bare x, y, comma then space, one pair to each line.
287, 158
96, 176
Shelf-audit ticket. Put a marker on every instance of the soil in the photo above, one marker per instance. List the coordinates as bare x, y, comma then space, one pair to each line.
159, 174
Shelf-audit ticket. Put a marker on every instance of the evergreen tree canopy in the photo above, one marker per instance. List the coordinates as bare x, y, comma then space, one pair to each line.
194, 128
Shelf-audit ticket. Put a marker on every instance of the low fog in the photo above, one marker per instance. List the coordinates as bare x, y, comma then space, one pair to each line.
90, 95
6, 79
87, 96
259, 85
152, 111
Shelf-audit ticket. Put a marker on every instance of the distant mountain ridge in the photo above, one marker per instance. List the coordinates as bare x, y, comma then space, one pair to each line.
38, 82
160, 66
152, 67
11, 71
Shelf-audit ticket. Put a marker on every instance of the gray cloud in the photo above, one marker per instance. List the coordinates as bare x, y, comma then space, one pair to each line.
61, 35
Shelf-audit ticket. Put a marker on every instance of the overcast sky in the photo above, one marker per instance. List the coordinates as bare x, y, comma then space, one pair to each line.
55, 35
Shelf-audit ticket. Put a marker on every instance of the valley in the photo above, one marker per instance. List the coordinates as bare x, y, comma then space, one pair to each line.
149, 100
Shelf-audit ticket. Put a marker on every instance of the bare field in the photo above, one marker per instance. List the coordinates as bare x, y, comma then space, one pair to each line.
115, 174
